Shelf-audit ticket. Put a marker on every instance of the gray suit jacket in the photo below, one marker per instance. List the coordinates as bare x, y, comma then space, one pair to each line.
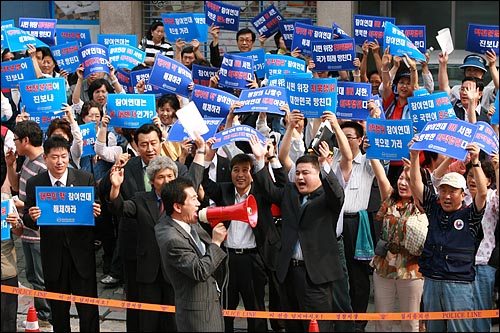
197, 304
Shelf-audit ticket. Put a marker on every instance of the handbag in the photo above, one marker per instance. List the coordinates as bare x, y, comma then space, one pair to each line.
416, 232
381, 248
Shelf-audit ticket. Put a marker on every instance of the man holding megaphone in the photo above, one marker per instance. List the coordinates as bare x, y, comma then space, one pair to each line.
189, 258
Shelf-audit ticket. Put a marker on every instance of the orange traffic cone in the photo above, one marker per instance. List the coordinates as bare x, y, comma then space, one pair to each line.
32, 321
313, 326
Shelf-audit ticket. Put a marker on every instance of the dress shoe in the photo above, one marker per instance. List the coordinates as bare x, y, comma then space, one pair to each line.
108, 279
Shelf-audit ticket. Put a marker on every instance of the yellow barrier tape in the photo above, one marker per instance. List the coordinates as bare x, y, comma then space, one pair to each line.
258, 314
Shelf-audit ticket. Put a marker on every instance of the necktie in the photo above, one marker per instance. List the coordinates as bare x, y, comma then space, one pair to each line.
147, 184
197, 240
304, 200
58, 183
160, 205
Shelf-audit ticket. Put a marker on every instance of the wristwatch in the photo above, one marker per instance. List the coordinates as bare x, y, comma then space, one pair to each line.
477, 165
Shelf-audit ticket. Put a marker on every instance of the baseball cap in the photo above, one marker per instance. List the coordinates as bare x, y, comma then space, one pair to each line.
454, 179
474, 60
401, 75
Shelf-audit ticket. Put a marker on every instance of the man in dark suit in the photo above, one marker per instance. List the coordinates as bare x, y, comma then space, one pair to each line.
189, 258
148, 141
146, 209
309, 260
68, 257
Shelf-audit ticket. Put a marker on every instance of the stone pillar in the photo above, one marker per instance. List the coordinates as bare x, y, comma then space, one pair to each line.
340, 12
123, 17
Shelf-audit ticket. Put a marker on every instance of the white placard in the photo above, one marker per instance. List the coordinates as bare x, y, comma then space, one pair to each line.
191, 119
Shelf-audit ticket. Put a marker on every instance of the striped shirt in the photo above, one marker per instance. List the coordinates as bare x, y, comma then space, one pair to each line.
29, 169
151, 49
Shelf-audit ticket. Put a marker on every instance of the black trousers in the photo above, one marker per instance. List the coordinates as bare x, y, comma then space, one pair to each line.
9, 307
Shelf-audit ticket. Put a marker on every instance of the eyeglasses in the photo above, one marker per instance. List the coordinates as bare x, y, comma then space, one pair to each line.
243, 40
404, 83
349, 138
15, 139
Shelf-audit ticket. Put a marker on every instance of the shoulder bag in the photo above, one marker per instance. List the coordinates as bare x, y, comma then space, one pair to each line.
416, 232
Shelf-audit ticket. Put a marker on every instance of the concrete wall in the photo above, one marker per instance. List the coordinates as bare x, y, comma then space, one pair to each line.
340, 12
123, 17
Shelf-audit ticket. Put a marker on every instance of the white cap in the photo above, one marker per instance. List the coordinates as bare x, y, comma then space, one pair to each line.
454, 179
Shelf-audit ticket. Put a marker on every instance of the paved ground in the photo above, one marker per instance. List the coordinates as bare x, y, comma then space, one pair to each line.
113, 319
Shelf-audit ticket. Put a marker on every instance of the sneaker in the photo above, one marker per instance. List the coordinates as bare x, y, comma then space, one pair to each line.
44, 323
108, 279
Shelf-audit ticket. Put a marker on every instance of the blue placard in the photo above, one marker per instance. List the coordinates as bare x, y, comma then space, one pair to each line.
65, 206
46, 94
236, 133
202, 27
425, 108
226, 17
17, 39
287, 27
370, 28
42, 28
124, 79
171, 75
482, 38
486, 138
82, 36
259, 58
495, 118
66, 56
89, 137
399, 43
304, 35
279, 80
446, 136
277, 64
353, 98
265, 99
420, 92
94, 58
266, 23
6, 24
202, 74
212, 102
312, 96
180, 25
16, 71
416, 34
178, 133
144, 74
388, 138
116, 39
339, 32
236, 71
125, 56
333, 55
5, 225
45, 118
131, 111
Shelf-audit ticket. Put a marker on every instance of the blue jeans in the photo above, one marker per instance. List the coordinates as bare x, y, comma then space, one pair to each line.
443, 296
34, 275
483, 295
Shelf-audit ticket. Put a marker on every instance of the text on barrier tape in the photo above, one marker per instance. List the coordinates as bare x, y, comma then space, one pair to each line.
258, 314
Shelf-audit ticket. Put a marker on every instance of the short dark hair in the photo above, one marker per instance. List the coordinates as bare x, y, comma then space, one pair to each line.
153, 27
240, 159
31, 130
64, 125
488, 169
309, 158
55, 141
173, 192
277, 37
146, 129
98, 83
479, 82
360, 131
246, 31
187, 49
171, 99
47, 53
89, 105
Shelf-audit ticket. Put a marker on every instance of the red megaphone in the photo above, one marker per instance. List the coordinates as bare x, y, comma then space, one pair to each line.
245, 211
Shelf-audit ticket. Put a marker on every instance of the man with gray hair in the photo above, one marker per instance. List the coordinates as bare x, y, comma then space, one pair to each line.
146, 208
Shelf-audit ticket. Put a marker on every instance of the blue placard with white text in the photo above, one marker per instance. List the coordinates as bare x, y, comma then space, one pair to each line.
235, 134
45, 118
125, 56
337, 30
66, 56
212, 102
266, 23
94, 58
15, 71
446, 136
370, 28
17, 39
258, 57
333, 55
89, 136
178, 133
279, 80
312, 96
495, 118
222, 15
486, 138
5, 225
202, 74
353, 98
6, 24
287, 27
482, 38
124, 79
202, 27
180, 25
42, 28
131, 111
143, 74
265, 99
65, 35
277, 64
236, 71
46, 94
416, 34
304, 35
399, 43
429, 107
388, 138
171, 75
65, 206
116, 39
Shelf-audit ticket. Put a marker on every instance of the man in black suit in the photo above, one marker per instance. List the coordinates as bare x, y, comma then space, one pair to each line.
146, 208
68, 257
309, 260
148, 141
